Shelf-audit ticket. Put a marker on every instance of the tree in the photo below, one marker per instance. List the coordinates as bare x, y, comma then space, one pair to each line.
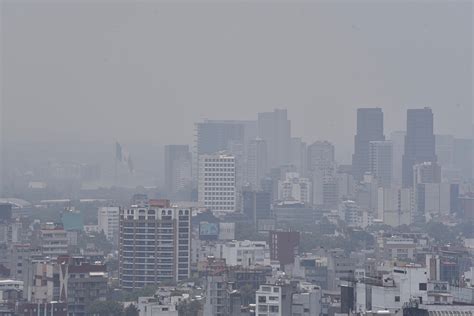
189, 308
131, 310
135, 294
105, 308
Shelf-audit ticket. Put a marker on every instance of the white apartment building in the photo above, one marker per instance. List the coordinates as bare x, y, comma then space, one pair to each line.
54, 240
295, 188
154, 245
397, 288
395, 206
108, 221
268, 301
217, 182
236, 253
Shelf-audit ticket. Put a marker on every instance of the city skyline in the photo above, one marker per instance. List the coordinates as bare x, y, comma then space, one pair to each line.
361, 65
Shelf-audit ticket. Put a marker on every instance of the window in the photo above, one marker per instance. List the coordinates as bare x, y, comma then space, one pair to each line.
397, 298
262, 308
262, 299
422, 286
274, 309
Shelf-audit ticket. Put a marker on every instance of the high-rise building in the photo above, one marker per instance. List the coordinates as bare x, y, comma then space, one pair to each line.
426, 187
275, 128
398, 148
298, 155
369, 128
380, 162
294, 188
419, 142
213, 136
444, 149
436, 199
54, 240
395, 206
154, 245
463, 157
426, 172
256, 162
108, 222
321, 167
178, 168
257, 205
217, 183
345, 183
321, 156
284, 246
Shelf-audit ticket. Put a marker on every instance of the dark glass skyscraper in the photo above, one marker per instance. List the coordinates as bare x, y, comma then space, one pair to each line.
419, 142
369, 128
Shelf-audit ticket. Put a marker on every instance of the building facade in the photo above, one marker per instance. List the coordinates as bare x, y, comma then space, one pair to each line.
154, 245
217, 182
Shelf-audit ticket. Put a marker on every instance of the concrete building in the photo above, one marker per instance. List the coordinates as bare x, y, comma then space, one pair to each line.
154, 245
345, 183
108, 222
151, 306
419, 142
284, 246
54, 240
436, 199
380, 162
217, 182
322, 172
257, 205
294, 214
294, 188
221, 300
395, 206
369, 128
366, 194
244, 253
269, 300
395, 248
396, 289
275, 129
426, 172
307, 301
81, 284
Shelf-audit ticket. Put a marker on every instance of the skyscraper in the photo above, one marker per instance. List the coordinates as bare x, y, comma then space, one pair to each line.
154, 245
369, 128
178, 165
419, 142
380, 162
398, 148
275, 128
256, 205
322, 172
298, 155
256, 162
213, 136
216, 183
321, 155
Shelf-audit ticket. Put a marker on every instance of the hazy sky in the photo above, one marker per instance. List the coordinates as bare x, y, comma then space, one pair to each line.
146, 71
